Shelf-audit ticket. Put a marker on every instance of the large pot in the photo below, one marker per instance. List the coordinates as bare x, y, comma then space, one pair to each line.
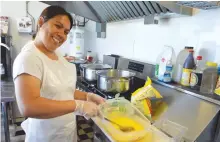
89, 70
113, 80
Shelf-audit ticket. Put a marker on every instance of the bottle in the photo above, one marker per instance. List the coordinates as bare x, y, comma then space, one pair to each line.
196, 74
167, 55
188, 66
168, 73
89, 56
209, 78
178, 68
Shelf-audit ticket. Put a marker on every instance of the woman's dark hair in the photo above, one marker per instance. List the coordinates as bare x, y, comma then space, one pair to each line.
53, 11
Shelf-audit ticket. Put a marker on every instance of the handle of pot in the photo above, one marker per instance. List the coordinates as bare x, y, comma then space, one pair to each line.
109, 84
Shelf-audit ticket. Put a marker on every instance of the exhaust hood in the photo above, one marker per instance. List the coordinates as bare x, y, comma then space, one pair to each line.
110, 11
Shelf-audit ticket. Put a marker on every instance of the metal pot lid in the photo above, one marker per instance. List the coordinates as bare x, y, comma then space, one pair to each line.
114, 73
78, 61
98, 66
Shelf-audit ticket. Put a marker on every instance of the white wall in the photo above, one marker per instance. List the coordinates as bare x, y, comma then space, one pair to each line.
133, 39
16, 9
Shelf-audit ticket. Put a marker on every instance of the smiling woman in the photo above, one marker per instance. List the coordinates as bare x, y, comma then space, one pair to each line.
45, 83
53, 26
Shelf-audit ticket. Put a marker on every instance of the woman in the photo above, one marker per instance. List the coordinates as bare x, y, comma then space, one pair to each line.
45, 83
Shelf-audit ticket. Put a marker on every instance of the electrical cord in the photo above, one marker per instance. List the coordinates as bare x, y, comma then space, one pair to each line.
32, 18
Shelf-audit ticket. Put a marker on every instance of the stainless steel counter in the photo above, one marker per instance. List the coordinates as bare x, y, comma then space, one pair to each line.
197, 115
189, 111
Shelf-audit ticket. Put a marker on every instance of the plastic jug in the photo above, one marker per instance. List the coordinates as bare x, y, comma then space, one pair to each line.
209, 78
165, 61
178, 68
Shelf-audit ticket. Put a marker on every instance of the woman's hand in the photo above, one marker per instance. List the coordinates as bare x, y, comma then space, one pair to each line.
86, 109
95, 98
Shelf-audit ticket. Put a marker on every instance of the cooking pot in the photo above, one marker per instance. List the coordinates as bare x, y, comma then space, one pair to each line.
88, 71
114, 80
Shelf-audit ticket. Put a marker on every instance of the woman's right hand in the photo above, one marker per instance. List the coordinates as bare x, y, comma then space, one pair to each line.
86, 109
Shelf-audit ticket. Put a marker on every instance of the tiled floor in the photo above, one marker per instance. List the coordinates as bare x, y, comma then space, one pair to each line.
85, 131
84, 127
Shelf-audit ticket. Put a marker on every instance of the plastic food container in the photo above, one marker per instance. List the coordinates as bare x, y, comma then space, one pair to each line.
124, 113
171, 129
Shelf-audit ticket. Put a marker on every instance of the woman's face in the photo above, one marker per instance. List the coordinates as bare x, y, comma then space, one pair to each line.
53, 33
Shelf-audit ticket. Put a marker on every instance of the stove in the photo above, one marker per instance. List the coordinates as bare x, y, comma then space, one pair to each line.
88, 86
142, 70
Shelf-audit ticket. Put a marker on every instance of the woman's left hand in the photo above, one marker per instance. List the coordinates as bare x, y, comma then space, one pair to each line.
95, 98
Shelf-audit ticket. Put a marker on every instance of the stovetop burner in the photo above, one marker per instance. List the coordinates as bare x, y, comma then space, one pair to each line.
89, 86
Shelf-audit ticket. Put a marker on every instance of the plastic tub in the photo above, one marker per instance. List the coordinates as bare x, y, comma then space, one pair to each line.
121, 110
171, 129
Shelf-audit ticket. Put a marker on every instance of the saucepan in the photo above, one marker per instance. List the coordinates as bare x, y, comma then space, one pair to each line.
88, 71
113, 80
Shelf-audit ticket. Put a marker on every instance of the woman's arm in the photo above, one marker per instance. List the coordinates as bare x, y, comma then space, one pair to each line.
79, 95
30, 103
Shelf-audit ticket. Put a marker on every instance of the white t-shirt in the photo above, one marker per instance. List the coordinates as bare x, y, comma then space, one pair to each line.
52, 73
58, 81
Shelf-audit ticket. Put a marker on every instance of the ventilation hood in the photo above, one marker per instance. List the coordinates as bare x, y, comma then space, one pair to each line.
110, 11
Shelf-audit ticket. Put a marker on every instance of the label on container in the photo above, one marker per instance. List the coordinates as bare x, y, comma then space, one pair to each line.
195, 79
186, 77
169, 68
156, 70
167, 77
167, 74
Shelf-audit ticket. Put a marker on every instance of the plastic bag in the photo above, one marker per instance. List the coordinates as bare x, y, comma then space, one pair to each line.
141, 98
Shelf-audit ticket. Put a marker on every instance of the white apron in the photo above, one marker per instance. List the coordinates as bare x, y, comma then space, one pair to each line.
58, 83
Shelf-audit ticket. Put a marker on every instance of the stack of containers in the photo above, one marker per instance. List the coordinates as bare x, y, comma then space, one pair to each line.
209, 78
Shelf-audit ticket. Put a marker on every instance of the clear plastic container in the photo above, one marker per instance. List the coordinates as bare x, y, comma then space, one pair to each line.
209, 78
171, 129
143, 132
178, 68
